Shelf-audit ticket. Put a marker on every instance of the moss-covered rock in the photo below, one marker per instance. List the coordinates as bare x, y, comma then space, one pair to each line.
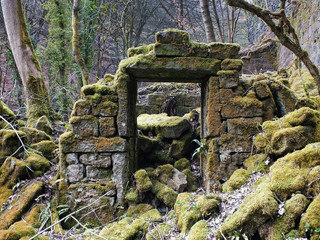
132, 195
143, 181
310, 222
254, 211
34, 135
182, 164
170, 176
38, 164
152, 215
11, 171
193, 183
44, 124
33, 216
161, 231
18, 207
181, 147
223, 50
23, 229
173, 36
47, 148
237, 179
256, 163
199, 231
294, 207
9, 235
192, 208
231, 64
164, 193
289, 173
137, 210
140, 50
167, 127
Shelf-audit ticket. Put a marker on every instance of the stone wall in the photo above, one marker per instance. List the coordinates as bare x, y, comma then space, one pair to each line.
99, 152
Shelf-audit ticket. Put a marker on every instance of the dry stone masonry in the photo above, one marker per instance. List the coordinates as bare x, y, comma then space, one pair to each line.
99, 151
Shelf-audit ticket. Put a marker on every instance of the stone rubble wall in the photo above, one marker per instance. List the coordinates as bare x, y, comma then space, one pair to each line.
99, 152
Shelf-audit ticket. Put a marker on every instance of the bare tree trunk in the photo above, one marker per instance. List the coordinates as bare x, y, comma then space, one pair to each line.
207, 21
286, 34
217, 20
75, 43
37, 96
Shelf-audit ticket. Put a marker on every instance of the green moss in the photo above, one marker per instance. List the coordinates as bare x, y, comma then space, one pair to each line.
20, 205
173, 36
199, 231
44, 124
6, 112
9, 235
313, 181
256, 163
260, 142
164, 193
182, 164
132, 195
310, 221
23, 229
161, 231
137, 210
48, 148
254, 211
33, 216
38, 164
294, 207
237, 179
225, 73
191, 208
34, 135
232, 64
143, 181
152, 215
140, 50
120, 230
193, 183
11, 171
164, 172
289, 173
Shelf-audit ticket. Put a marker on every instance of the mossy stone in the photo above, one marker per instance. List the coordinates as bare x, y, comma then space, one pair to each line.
11, 171
33, 216
48, 148
237, 179
193, 183
164, 172
182, 164
137, 210
162, 230
140, 50
199, 231
9, 235
256, 163
152, 215
232, 64
120, 230
143, 181
132, 195
192, 208
44, 124
164, 193
311, 221
38, 164
173, 36
23, 229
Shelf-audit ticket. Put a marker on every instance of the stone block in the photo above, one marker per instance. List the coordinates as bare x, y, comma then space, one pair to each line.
107, 127
81, 108
84, 126
241, 107
98, 160
115, 144
72, 158
228, 78
98, 173
181, 147
231, 64
75, 173
223, 50
173, 36
226, 95
269, 109
121, 171
171, 50
148, 109
70, 143
105, 109
192, 101
262, 89
235, 143
244, 126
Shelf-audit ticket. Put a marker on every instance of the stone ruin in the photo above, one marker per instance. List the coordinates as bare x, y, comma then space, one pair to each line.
99, 152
